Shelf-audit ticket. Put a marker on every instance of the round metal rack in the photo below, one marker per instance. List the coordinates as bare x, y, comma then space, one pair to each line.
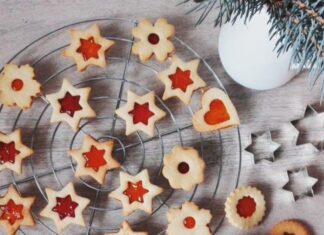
141, 140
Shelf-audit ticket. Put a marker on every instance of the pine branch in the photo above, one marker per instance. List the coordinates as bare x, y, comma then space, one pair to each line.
299, 25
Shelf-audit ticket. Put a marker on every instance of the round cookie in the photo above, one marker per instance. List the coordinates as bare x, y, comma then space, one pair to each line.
289, 227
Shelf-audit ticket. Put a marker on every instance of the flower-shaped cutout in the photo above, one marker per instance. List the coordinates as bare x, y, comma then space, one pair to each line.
65, 207
126, 229
183, 168
140, 113
262, 147
153, 39
217, 112
13, 151
181, 79
189, 219
18, 86
287, 227
245, 207
94, 159
300, 184
70, 104
88, 48
136, 192
15, 211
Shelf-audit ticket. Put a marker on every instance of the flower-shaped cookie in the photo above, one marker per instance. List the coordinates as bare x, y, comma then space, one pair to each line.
15, 211
189, 219
18, 86
65, 207
88, 48
287, 227
136, 192
13, 151
181, 79
70, 104
94, 159
217, 112
183, 168
126, 229
140, 113
153, 39
245, 207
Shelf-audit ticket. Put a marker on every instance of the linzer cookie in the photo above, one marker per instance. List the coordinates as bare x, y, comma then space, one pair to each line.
183, 168
217, 112
127, 230
70, 105
13, 151
15, 211
181, 79
136, 192
140, 113
188, 219
94, 159
65, 207
245, 207
287, 227
153, 39
18, 86
88, 48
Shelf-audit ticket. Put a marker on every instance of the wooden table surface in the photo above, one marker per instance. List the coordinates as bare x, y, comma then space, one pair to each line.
260, 111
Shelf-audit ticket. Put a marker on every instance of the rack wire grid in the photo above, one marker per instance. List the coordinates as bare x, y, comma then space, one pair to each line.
50, 166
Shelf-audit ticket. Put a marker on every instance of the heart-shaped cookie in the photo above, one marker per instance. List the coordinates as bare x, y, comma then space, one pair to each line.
217, 112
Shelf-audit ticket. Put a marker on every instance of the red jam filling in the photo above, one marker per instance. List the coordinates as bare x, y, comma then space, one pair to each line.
217, 113
135, 192
246, 206
11, 212
141, 113
8, 152
65, 207
17, 84
183, 167
181, 79
89, 48
189, 222
153, 38
70, 104
95, 158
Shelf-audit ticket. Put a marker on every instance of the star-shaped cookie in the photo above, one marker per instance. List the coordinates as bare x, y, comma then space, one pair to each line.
88, 47
13, 151
126, 229
136, 192
70, 104
18, 86
140, 113
15, 211
65, 207
181, 79
94, 158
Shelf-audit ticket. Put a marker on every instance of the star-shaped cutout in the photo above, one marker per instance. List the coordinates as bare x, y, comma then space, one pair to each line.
15, 211
126, 229
88, 48
94, 159
310, 128
67, 102
262, 146
64, 207
181, 79
140, 113
13, 151
138, 199
300, 184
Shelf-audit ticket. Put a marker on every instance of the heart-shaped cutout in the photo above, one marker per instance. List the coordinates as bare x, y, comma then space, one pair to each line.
217, 113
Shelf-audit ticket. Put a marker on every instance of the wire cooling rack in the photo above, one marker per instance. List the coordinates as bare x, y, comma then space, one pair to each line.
50, 166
